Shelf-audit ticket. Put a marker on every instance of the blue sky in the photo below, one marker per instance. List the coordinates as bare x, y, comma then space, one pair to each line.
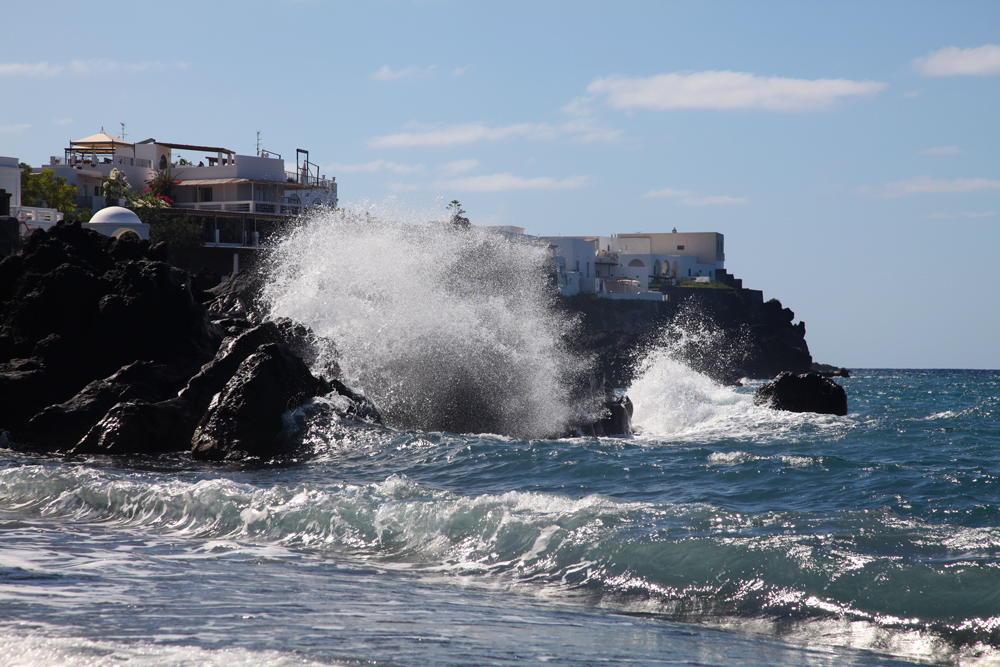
850, 151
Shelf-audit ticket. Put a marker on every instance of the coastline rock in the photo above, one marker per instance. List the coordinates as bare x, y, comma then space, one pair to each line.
808, 392
106, 349
72, 314
245, 420
62, 426
138, 427
829, 371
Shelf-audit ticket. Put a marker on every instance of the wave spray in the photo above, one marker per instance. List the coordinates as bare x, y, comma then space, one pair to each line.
444, 328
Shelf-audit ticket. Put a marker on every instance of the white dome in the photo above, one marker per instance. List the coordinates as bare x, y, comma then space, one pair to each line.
117, 215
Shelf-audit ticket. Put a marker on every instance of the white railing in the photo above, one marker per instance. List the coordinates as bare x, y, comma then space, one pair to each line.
605, 257
35, 214
259, 207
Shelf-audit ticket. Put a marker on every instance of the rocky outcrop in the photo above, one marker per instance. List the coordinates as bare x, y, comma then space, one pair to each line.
808, 392
104, 348
726, 334
245, 420
829, 371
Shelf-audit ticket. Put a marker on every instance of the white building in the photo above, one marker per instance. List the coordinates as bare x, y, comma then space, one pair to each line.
208, 178
634, 266
10, 186
10, 198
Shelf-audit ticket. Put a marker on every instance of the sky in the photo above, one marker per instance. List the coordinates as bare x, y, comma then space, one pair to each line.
848, 151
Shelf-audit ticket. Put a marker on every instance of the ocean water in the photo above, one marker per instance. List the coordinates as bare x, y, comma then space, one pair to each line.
722, 534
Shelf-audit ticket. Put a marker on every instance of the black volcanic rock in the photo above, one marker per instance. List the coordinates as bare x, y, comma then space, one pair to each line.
245, 420
62, 426
808, 392
106, 349
136, 426
77, 306
723, 333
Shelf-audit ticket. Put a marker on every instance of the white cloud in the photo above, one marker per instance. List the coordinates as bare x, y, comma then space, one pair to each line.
388, 74
459, 166
716, 200
15, 129
688, 198
583, 125
459, 71
927, 185
941, 150
375, 166
101, 66
910, 94
62, 121
451, 136
953, 61
30, 69
581, 128
964, 214
505, 182
668, 192
727, 90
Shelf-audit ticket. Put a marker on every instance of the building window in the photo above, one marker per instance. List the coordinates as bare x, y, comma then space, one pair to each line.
97, 190
680, 247
204, 194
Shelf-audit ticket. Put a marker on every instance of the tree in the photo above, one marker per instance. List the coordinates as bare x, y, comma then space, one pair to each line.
456, 215
116, 185
46, 190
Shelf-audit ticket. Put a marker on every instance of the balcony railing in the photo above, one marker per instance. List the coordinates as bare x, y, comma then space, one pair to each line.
309, 179
605, 257
260, 207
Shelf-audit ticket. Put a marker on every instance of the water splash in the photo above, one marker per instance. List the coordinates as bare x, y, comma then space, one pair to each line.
670, 398
444, 329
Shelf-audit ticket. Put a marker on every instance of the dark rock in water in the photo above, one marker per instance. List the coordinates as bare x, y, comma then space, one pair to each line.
106, 349
598, 396
809, 392
62, 426
829, 371
619, 421
76, 306
138, 427
245, 420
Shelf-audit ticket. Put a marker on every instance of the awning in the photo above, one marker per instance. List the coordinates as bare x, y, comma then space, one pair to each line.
189, 147
99, 143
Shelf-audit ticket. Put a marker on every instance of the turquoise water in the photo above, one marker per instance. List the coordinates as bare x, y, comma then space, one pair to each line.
722, 534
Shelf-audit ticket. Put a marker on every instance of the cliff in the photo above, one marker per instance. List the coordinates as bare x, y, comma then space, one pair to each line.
724, 333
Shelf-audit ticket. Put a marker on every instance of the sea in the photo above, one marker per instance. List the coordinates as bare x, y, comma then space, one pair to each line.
720, 533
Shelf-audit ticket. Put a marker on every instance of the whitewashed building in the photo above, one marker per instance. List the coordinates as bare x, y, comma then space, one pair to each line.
207, 178
11, 203
635, 266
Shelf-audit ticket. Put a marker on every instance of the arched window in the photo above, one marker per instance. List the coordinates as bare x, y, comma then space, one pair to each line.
657, 268
637, 263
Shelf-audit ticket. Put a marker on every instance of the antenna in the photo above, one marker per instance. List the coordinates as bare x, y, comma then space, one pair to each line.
123, 130
258, 143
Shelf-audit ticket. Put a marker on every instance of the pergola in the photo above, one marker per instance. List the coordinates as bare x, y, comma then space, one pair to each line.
97, 144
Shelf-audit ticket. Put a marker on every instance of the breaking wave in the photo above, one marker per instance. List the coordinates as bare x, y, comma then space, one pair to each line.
445, 329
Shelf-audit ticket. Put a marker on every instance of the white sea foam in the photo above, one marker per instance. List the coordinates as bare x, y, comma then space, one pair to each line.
30, 647
671, 399
444, 329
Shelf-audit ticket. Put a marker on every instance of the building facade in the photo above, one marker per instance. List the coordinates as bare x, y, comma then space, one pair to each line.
636, 266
